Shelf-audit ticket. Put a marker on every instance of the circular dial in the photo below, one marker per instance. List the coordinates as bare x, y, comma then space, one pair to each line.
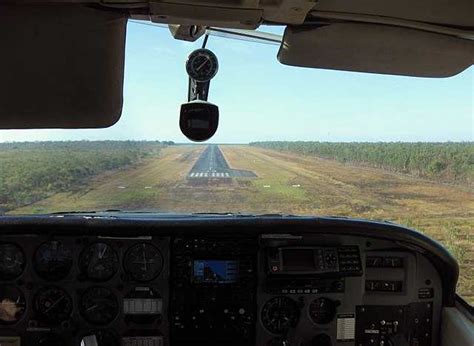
99, 305
280, 314
99, 262
53, 260
322, 310
202, 65
53, 304
143, 262
12, 261
12, 304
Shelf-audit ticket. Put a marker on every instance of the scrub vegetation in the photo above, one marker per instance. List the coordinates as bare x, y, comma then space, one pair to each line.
449, 162
33, 171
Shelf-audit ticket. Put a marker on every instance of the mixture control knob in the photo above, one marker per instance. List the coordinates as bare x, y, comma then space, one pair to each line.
321, 340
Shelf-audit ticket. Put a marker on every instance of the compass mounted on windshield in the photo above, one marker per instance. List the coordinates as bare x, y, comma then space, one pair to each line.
199, 118
202, 65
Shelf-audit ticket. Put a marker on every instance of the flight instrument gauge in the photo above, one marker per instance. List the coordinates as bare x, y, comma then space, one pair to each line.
12, 304
53, 260
322, 310
279, 314
99, 305
99, 262
202, 65
53, 304
12, 261
143, 262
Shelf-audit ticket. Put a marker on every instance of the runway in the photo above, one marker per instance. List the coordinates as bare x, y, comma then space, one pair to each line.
213, 165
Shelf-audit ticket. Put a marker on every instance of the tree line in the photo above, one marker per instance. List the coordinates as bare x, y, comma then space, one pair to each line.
450, 162
31, 171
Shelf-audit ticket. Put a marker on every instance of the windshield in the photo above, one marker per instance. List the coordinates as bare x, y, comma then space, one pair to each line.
290, 140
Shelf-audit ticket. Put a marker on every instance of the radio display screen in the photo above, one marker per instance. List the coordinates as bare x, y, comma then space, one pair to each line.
215, 271
298, 259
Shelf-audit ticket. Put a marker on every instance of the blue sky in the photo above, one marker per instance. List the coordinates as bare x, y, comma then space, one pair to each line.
261, 99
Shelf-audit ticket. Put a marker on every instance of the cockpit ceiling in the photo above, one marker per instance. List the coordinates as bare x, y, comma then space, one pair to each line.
251, 13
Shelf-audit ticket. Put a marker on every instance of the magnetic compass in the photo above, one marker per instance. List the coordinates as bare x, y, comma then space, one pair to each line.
202, 65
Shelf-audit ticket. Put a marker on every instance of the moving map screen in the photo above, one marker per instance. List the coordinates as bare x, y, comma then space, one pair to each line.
216, 271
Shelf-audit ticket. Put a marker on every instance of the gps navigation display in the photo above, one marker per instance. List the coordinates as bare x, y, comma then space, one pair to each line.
216, 271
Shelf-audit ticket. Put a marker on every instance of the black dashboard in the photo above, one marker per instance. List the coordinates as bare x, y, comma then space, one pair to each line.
148, 280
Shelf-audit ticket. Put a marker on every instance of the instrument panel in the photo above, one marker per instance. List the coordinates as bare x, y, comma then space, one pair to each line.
59, 291
265, 289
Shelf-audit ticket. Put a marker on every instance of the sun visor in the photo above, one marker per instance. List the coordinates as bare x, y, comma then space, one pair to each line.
376, 49
61, 66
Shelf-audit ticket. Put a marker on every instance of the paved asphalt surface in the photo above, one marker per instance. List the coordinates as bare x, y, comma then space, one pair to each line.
212, 164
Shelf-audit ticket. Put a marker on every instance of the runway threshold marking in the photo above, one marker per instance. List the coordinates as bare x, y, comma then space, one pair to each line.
212, 164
